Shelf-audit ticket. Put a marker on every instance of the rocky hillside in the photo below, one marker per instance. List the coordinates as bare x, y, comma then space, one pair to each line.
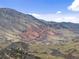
16, 26
23, 36
17, 50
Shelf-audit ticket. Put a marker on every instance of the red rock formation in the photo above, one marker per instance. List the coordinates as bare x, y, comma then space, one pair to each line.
37, 33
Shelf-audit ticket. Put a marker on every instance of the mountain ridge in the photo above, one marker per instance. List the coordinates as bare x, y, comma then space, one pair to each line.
25, 27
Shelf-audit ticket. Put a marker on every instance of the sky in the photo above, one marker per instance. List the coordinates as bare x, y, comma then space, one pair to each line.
49, 10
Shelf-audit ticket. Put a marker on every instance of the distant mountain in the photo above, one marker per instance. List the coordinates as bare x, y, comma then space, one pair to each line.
16, 26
